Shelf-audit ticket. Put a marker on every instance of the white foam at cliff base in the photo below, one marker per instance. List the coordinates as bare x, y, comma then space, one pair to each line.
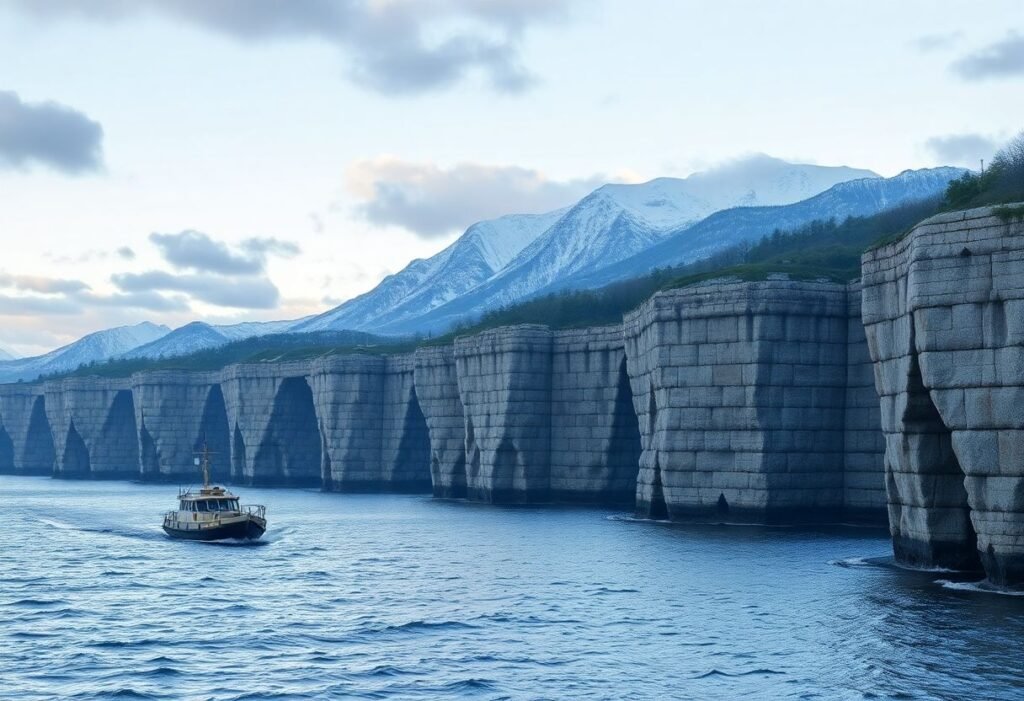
982, 587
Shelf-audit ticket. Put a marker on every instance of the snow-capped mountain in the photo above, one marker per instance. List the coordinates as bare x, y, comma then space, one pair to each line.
96, 347
608, 225
6, 355
199, 335
574, 254
729, 227
485, 248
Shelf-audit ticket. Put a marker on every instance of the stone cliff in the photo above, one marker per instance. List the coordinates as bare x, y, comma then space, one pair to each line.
773, 401
722, 401
944, 315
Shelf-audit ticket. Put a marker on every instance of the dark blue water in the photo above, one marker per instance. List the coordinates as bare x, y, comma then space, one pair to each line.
406, 597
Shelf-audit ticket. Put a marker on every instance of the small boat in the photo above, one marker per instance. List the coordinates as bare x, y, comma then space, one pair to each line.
213, 513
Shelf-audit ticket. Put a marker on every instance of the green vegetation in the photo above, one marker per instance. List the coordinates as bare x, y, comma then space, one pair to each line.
275, 347
1002, 181
820, 250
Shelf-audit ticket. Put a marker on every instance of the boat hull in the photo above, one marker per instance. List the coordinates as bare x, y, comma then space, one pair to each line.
248, 529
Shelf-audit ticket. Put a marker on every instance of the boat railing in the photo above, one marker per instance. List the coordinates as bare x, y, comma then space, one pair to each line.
257, 510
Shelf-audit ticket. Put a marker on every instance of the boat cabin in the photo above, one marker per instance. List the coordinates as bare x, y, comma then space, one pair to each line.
228, 503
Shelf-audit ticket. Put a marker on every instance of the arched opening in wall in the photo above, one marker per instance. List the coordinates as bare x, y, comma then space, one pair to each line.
76, 455
238, 458
40, 453
6, 452
149, 457
326, 467
412, 463
506, 458
940, 479
215, 434
625, 446
658, 509
472, 453
290, 450
119, 438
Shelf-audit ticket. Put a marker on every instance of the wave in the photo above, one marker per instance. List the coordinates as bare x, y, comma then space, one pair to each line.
857, 562
764, 671
982, 587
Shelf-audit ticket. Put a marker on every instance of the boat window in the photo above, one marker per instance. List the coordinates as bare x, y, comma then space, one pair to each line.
200, 506
234, 504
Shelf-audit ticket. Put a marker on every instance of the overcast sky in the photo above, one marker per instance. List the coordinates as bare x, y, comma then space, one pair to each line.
232, 160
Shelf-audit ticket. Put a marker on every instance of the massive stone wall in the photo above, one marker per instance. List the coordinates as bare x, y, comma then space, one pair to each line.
504, 378
348, 392
93, 427
437, 389
863, 440
944, 314
595, 436
272, 422
745, 401
177, 413
26, 443
741, 390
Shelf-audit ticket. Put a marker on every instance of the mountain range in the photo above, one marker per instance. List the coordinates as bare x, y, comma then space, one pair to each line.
94, 348
616, 232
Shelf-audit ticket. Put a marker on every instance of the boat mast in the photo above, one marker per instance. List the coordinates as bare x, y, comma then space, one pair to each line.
204, 464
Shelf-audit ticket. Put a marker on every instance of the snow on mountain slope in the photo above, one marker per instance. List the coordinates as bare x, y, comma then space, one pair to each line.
482, 250
728, 227
96, 347
6, 355
199, 335
616, 222
758, 180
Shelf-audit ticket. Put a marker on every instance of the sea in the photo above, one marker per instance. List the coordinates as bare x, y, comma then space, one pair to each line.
409, 597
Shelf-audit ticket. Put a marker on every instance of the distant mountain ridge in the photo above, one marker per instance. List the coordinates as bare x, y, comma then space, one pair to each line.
7, 355
611, 223
95, 347
484, 249
198, 335
616, 232
576, 256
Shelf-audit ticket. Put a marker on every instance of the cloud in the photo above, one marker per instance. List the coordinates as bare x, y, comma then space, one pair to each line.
38, 306
194, 250
937, 42
432, 201
48, 134
962, 149
150, 301
262, 247
394, 46
220, 290
126, 252
41, 284
1003, 59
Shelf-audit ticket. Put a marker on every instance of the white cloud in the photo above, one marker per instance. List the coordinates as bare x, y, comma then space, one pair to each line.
432, 201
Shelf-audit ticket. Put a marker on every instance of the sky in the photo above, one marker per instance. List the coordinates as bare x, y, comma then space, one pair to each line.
237, 160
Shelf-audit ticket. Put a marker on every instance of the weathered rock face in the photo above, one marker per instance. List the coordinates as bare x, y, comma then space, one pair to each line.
405, 438
273, 424
348, 392
176, 414
26, 443
504, 380
595, 435
738, 401
741, 393
863, 440
93, 427
944, 315
437, 389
